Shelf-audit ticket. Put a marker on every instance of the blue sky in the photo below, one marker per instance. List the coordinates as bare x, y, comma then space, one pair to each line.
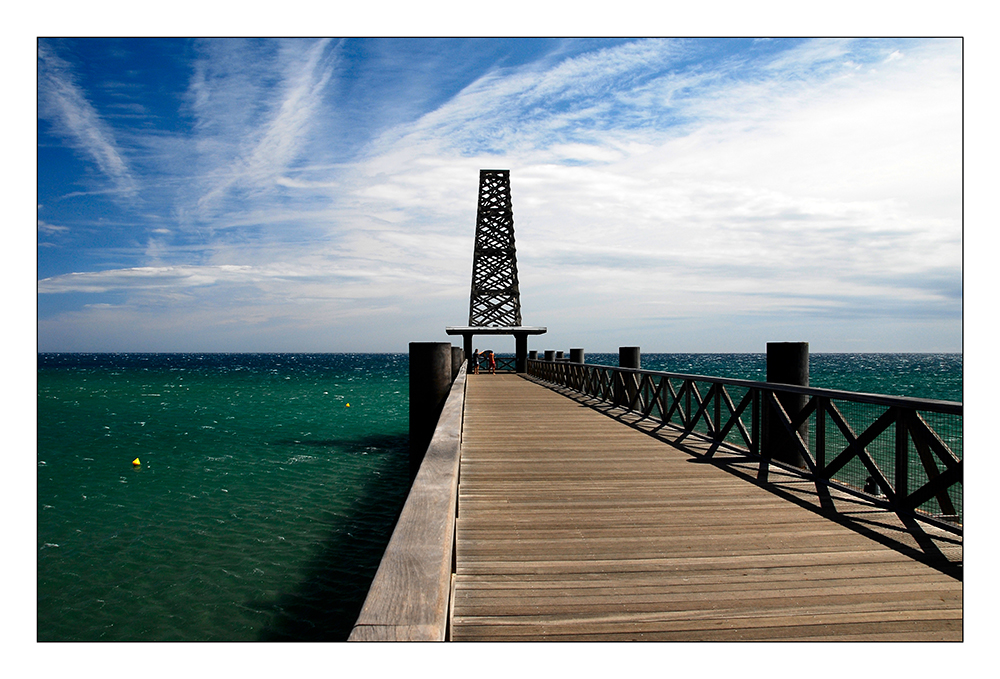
676, 194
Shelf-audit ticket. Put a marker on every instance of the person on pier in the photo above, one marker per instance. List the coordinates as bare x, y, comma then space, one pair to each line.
475, 362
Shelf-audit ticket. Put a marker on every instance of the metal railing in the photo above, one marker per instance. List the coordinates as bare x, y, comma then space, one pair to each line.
504, 364
901, 453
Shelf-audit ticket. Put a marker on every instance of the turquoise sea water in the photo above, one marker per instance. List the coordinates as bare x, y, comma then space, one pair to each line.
261, 507
263, 503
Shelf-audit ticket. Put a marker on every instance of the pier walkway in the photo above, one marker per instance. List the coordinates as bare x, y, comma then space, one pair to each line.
576, 525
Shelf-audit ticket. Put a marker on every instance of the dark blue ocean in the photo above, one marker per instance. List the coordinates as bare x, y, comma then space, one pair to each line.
268, 484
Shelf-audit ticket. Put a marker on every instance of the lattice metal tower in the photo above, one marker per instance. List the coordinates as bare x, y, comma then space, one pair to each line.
495, 299
495, 303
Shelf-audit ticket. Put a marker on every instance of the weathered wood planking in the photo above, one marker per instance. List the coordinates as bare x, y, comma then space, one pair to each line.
408, 599
573, 526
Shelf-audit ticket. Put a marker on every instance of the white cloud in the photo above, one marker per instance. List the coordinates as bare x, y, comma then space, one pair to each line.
139, 278
49, 229
63, 103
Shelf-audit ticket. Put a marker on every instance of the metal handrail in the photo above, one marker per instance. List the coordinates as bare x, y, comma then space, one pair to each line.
504, 364
899, 459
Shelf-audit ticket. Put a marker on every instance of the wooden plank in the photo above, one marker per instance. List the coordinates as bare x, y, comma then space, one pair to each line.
363, 632
795, 629
716, 605
763, 579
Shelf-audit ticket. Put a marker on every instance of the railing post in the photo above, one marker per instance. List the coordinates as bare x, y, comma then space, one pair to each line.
902, 470
821, 404
688, 388
755, 423
717, 423
787, 363
664, 398
430, 381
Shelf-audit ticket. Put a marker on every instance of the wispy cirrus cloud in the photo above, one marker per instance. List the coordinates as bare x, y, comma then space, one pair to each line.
264, 127
146, 278
64, 105
573, 100
49, 229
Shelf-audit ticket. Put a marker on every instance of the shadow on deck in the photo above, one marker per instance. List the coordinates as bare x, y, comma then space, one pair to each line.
936, 548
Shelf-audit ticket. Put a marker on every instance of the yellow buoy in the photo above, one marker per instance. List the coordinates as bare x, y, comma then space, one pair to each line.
136, 462
348, 405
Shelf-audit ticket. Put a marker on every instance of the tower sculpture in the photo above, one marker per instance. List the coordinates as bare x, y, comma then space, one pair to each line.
495, 299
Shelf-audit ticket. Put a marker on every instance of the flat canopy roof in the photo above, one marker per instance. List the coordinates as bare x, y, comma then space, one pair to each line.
496, 330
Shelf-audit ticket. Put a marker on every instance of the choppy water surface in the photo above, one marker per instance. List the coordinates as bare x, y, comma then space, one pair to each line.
260, 509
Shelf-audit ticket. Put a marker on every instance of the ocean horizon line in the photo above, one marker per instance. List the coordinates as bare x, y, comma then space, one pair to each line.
499, 353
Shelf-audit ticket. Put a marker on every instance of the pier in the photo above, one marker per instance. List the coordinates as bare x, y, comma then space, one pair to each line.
562, 515
559, 500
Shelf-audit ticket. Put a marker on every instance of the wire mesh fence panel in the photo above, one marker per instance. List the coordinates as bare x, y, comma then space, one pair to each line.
733, 397
857, 418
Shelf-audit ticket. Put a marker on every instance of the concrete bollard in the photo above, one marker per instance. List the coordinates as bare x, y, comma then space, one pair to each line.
457, 358
560, 355
576, 375
628, 357
533, 354
787, 363
550, 355
430, 382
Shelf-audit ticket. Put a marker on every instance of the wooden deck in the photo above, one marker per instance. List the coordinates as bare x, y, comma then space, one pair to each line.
573, 525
